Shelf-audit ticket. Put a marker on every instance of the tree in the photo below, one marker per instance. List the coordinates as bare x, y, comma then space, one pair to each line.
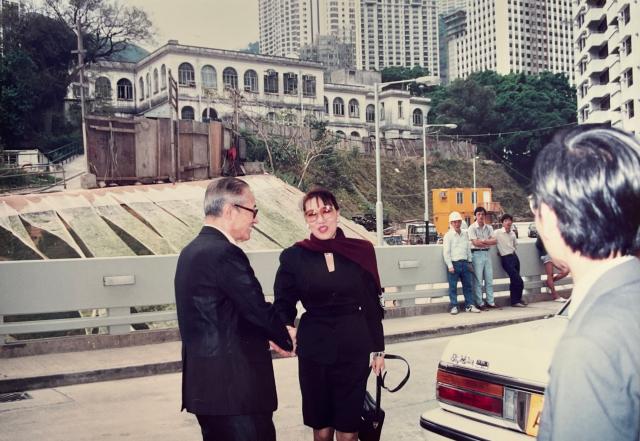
33, 73
252, 48
107, 26
398, 73
521, 112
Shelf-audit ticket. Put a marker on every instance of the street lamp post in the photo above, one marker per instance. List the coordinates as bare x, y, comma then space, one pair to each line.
427, 80
426, 183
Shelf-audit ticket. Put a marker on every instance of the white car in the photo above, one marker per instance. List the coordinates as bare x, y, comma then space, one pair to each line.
490, 384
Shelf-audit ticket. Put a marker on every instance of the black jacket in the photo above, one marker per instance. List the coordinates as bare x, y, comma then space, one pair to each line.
225, 324
343, 318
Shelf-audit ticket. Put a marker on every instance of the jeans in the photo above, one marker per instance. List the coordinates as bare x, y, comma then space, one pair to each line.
482, 269
460, 272
511, 265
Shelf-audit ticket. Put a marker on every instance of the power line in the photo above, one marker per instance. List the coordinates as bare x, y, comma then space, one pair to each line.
478, 135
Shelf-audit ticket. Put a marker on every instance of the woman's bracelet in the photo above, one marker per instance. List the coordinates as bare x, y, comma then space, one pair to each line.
378, 354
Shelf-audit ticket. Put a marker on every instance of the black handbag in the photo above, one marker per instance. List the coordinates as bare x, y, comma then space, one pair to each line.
372, 416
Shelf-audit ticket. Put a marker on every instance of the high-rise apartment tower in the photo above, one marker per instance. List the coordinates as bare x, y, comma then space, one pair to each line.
398, 33
529, 36
608, 62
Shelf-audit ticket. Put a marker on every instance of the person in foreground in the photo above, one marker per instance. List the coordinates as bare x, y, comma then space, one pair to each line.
340, 336
586, 203
226, 324
456, 252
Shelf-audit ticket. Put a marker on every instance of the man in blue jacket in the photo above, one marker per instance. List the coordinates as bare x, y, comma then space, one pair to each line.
226, 324
586, 203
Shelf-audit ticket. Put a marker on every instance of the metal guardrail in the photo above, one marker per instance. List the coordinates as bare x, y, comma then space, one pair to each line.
13, 179
115, 285
65, 152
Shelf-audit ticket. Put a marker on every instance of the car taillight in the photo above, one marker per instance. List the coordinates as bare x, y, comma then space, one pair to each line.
475, 400
468, 392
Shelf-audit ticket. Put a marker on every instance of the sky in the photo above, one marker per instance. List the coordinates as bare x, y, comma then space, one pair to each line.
221, 24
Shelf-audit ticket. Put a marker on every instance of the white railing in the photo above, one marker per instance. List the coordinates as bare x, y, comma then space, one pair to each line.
106, 289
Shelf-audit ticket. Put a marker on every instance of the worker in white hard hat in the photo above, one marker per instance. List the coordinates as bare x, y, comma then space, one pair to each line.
456, 251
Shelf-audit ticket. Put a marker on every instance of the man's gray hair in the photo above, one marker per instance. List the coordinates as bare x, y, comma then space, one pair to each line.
221, 191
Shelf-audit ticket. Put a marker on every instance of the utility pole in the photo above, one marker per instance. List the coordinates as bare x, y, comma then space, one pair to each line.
80, 53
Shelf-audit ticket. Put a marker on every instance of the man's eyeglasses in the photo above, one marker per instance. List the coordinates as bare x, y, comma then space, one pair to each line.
254, 211
312, 215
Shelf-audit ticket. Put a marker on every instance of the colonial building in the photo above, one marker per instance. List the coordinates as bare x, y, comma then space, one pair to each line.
608, 62
223, 84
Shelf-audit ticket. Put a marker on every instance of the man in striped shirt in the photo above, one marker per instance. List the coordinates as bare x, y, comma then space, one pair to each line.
482, 239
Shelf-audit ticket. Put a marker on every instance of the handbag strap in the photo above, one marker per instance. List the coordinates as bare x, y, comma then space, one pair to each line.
379, 386
404, 380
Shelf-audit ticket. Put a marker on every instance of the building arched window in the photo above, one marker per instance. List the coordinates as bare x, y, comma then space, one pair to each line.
370, 113
187, 113
417, 117
209, 114
103, 88
148, 84
186, 75
209, 78
326, 105
163, 77
141, 88
338, 107
251, 81
156, 81
230, 78
354, 109
339, 133
125, 90
355, 135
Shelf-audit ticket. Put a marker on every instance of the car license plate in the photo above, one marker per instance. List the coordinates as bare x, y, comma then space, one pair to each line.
535, 411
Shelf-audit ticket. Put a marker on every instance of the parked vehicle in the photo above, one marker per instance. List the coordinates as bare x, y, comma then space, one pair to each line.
490, 384
415, 233
533, 231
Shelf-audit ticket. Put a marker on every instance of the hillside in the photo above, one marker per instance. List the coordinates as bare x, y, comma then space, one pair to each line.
352, 176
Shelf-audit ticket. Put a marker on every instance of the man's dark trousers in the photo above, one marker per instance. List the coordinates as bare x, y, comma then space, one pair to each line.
258, 427
511, 265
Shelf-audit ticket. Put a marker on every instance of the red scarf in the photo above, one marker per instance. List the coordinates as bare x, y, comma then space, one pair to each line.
357, 250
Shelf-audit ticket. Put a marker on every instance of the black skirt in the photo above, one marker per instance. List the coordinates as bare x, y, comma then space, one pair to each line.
332, 394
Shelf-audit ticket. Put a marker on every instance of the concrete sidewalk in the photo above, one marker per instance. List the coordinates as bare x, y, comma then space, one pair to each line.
58, 369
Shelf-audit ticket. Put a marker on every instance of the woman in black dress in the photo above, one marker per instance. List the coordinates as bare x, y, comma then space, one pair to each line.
339, 337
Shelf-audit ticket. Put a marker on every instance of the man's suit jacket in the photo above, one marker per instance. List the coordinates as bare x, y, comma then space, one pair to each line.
594, 388
225, 324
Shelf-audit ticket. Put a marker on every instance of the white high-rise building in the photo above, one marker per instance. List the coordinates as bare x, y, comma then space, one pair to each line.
505, 36
398, 33
288, 25
448, 6
608, 62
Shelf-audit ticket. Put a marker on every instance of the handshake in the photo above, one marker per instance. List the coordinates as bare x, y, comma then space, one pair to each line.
281, 352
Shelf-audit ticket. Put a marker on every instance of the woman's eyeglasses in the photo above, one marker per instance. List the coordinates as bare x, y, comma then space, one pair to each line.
312, 215
254, 211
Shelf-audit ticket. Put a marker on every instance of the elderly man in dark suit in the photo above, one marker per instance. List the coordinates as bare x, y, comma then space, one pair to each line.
226, 324
587, 206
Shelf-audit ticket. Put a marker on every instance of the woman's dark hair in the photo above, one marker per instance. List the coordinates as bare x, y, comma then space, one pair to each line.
318, 192
505, 216
590, 178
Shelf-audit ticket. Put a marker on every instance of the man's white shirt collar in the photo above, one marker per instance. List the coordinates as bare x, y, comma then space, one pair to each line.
581, 289
223, 232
